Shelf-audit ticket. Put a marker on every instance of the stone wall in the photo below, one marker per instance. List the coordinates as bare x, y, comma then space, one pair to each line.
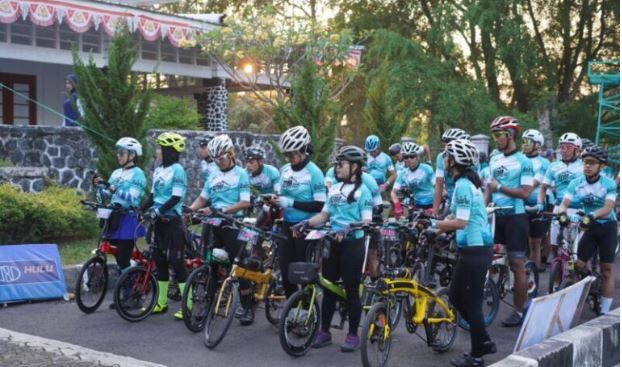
213, 106
68, 155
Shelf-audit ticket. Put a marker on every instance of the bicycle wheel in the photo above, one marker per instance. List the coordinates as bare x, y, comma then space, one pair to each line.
532, 279
300, 321
490, 305
376, 333
555, 278
198, 293
441, 335
274, 301
135, 294
221, 313
92, 284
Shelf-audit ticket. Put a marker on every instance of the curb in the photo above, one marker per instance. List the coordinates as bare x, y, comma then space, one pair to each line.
595, 343
72, 271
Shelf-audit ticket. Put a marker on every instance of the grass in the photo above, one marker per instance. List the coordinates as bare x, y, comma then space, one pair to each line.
77, 252
5, 162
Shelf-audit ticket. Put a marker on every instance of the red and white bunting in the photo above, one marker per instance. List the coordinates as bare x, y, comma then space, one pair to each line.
177, 34
78, 20
149, 28
42, 15
9, 11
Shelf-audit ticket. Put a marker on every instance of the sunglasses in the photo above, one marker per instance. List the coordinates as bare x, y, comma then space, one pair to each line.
290, 154
221, 158
499, 134
409, 156
528, 142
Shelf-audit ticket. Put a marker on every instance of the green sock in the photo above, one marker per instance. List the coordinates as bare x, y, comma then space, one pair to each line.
163, 293
182, 286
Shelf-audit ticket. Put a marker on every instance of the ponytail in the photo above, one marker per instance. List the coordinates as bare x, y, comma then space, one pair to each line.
357, 184
469, 174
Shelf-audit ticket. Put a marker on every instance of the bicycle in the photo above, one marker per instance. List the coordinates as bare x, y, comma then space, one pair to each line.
563, 264
430, 309
92, 282
266, 282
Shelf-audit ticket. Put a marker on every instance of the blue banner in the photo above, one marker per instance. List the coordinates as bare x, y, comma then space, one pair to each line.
30, 272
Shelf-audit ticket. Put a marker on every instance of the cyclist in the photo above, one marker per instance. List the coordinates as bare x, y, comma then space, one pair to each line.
164, 206
533, 140
510, 183
264, 178
474, 242
207, 164
597, 195
302, 194
444, 183
379, 163
418, 178
558, 176
348, 201
398, 162
227, 190
126, 186
607, 171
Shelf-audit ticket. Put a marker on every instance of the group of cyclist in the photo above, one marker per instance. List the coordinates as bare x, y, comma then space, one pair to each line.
456, 195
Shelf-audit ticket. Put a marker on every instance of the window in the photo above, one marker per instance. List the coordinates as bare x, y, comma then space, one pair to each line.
90, 41
21, 33
16, 108
185, 55
149, 50
45, 37
167, 52
3, 28
68, 38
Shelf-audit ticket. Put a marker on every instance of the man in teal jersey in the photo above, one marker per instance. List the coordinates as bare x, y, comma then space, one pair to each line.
418, 178
444, 182
597, 195
396, 155
509, 185
558, 176
533, 140
379, 163
264, 178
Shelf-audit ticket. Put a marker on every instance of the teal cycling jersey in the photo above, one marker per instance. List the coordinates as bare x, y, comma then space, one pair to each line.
467, 204
419, 181
484, 173
540, 165
266, 181
168, 182
226, 188
341, 212
441, 172
128, 186
306, 184
367, 180
379, 166
399, 167
207, 168
559, 175
608, 172
513, 171
592, 196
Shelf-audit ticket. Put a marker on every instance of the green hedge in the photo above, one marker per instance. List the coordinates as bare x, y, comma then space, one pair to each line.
51, 215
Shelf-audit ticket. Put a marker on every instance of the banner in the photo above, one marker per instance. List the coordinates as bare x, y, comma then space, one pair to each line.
30, 272
553, 314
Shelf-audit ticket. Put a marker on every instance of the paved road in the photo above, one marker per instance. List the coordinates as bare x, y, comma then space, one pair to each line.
161, 339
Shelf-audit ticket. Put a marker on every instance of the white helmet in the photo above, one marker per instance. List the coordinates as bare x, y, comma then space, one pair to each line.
570, 138
130, 144
410, 148
534, 135
294, 139
453, 134
463, 152
219, 146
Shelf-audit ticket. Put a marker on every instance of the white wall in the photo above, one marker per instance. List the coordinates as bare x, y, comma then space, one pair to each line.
50, 86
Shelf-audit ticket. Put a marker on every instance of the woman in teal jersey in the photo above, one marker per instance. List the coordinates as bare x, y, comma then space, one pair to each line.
417, 177
301, 195
349, 201
597, 196
444, 182
474, 242
164, 205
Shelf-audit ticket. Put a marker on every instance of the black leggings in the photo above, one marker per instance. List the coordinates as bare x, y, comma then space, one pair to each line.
292, 250
466, 292
345, 262
169, 236
124, 252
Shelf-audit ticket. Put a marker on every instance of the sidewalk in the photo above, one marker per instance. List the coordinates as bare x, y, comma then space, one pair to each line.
17, 349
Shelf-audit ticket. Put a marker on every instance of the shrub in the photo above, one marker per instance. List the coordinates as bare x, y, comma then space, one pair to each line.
51, 215
172, 113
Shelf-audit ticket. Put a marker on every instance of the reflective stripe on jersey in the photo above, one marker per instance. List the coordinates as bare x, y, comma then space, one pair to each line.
593, 196
168, 182
306, 184
227, 188
128, 186
512, 171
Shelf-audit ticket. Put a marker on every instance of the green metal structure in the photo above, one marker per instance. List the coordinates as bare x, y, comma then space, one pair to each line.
606, 74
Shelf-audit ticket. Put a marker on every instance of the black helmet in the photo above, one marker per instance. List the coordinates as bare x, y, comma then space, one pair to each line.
204, 141
586, 143
352, 154
395, 148
596, 152
254, 153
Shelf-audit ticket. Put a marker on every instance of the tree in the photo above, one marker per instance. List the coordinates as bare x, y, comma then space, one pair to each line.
114, 103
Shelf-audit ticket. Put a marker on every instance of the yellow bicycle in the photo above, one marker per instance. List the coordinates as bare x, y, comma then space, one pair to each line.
424, 307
